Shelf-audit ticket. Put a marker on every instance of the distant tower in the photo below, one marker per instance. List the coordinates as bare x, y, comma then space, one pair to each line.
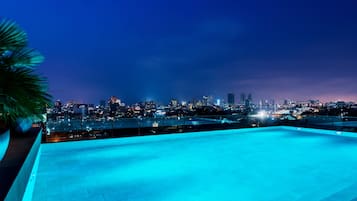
230, 98
218, 102
58, 106
113, 104
102, 103
205, 100
242, 98
261, 104
250, 99
286, 102
173, 103
83, 109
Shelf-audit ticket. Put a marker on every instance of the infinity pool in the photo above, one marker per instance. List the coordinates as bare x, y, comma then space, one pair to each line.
277, 163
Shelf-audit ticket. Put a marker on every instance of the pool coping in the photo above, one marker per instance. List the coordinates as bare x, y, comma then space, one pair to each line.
18, 163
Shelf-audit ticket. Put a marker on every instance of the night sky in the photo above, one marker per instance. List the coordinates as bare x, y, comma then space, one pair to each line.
157, 50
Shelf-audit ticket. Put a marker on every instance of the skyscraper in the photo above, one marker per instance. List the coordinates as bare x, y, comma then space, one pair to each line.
249, 101
173, 102
205, 100
250, 98
113, 104
242, 98
230, 98
102, 103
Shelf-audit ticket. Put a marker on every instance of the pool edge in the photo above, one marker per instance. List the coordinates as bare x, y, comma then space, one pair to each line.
320, 131
18, 187
32, 179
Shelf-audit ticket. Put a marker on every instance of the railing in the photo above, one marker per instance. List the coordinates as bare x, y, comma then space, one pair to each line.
339, 123
66, 130
70, 125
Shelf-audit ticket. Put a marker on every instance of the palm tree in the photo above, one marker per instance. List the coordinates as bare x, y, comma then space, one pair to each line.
23, 93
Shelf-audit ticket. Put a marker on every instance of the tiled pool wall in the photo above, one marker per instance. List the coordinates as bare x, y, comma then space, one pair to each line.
19, 185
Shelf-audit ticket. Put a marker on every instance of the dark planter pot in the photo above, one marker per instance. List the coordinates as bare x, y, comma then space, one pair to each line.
4, 142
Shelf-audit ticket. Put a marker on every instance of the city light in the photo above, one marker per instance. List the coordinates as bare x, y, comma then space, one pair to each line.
218, 102
263, 114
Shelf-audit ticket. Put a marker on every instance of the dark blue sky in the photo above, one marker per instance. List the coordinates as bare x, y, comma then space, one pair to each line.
162, 49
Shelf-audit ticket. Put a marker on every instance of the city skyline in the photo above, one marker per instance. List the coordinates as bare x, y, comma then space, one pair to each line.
213, 100
158, 49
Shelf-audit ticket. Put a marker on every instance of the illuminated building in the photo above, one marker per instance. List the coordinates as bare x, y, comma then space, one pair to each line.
173, 103
102, 103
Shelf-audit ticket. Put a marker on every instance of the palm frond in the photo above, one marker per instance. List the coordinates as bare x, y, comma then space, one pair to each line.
22, 57
11, 36
23, 94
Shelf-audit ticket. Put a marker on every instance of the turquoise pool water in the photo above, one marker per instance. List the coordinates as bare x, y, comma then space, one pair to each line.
234, 165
